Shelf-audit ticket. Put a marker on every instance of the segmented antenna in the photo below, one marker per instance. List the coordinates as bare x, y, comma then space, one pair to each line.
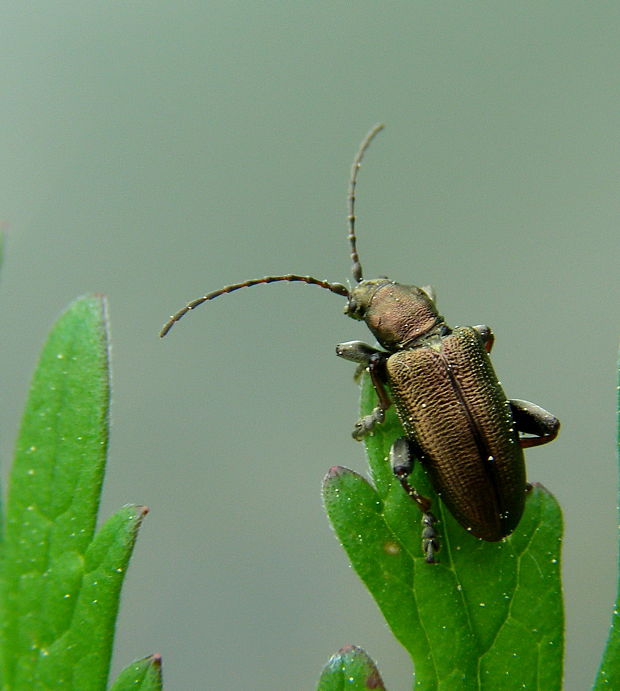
357, 163
337, 288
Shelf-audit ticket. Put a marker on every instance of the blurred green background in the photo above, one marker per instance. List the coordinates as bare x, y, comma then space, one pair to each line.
154, 151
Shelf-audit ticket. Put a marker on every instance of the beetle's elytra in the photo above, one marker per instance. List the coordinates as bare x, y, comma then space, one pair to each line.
457, 419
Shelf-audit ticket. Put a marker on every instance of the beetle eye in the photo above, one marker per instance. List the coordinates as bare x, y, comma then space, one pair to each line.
355, 309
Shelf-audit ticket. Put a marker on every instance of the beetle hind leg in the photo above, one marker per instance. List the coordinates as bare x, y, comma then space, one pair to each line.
401, 459
532, 419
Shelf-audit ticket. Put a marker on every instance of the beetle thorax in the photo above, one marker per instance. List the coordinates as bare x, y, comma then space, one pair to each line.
396, 314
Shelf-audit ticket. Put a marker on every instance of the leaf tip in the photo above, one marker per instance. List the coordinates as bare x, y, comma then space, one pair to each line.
155, 660
355, 663
334, 473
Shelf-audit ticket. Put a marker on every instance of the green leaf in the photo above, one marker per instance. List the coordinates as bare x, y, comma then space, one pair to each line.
81, 654
489, 615
608, 676
60, 587
350, 669
142, 675
2, 244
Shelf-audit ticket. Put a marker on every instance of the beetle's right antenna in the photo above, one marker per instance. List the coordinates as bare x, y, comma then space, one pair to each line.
357, 163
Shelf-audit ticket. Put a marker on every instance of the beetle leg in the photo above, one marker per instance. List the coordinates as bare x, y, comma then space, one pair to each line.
373, 360
376, 369
429, 538
357, 351
401, 460
532, 419
486, 335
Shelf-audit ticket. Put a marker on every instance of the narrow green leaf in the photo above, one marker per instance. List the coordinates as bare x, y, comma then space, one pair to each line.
350, 669
54, 488
489, 615
80, 656
608, 676
2, 244
59, 586
142, 675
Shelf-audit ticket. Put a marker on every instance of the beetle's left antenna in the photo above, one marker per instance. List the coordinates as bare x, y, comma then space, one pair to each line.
357, 163
337, 288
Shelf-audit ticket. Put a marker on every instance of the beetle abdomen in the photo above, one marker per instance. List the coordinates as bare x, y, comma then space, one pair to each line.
450, 402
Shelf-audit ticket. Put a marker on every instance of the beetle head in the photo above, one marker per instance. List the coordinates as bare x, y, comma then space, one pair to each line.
396, 314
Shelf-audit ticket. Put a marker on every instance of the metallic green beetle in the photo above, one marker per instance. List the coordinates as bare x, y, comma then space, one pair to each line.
457, 419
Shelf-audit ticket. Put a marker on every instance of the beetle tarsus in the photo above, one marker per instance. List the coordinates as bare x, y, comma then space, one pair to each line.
364, 426
429, 542
401, 460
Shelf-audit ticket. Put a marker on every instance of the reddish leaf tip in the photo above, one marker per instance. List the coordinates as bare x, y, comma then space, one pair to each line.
348, 649
156, 659
336, 471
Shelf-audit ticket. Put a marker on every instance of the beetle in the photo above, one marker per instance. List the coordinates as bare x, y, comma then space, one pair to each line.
467, 434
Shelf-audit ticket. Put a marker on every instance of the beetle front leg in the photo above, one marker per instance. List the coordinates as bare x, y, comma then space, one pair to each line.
532, 419
373, 360
401, 459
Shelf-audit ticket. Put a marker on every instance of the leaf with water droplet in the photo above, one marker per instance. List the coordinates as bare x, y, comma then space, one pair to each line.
60, 585
488, 615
